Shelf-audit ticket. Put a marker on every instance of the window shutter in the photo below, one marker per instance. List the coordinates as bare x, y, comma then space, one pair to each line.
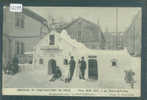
22, 48
22, 21
17, 47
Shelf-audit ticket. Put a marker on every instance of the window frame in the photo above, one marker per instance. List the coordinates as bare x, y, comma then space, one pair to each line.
22, 48
52, 39
17, 47
19, 20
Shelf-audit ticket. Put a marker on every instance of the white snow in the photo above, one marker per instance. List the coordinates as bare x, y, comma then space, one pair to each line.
108, 76
28, 53
64, 35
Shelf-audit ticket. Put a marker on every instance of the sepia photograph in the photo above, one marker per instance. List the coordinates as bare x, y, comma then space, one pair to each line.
72, 51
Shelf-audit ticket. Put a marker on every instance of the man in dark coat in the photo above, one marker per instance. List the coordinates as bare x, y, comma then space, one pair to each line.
72, 64
56, 75
15, 67
129, 77
82, 68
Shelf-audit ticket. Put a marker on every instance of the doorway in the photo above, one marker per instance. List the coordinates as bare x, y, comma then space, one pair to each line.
52, 66
93, 69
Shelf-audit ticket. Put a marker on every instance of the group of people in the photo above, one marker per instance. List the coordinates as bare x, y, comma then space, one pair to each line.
71, 64
69, 69
12, 66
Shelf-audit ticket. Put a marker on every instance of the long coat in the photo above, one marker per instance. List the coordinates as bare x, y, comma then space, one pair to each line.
83, 65
72, 64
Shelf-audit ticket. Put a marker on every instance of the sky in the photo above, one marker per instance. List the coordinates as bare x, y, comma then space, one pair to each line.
104, 16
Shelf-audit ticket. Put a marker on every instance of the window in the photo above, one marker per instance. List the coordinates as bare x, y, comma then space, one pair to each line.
19, 20
52, 39
22, 22
30, 62
22, 48
17, 47
40, 61
114, 62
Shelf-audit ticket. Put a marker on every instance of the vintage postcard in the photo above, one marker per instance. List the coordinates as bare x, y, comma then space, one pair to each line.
72, 51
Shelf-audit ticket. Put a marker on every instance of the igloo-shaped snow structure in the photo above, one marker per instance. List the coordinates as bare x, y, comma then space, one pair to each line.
63, 47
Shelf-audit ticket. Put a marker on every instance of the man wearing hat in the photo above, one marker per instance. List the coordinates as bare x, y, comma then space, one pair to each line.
83, 68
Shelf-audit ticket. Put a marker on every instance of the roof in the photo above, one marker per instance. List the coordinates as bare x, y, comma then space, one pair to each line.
76, 20
80, 18
34, 15
30, 13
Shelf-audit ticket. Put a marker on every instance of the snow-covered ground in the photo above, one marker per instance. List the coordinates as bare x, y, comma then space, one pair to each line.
108, 76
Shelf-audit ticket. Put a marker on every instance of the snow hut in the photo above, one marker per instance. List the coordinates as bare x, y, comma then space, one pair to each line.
53, 48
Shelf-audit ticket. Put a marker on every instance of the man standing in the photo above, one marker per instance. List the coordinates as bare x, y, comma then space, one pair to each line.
65, 70
72, 64
79, 65
82, 68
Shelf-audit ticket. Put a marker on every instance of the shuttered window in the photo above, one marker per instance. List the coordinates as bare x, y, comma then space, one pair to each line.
22, 48
19, 20
19, 47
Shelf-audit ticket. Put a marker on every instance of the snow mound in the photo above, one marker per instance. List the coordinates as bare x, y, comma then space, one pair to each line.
66, 37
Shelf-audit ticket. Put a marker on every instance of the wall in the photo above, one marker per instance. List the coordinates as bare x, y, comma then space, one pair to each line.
31, 25
133, 36
29, 35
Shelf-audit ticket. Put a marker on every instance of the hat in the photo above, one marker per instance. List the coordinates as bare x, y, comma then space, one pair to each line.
72, 57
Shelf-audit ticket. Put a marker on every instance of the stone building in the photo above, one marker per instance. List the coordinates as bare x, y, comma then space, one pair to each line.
132, 36
113, 40
21, 31
85, 32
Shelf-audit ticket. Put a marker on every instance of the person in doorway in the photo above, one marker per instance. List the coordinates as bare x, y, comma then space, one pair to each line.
72, 64
83, 68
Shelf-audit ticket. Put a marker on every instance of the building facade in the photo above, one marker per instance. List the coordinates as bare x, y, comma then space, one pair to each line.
114, 41
132, 36
21, 31
86, 32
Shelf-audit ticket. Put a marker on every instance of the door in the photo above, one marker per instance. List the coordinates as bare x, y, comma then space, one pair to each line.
93, 69
52, 66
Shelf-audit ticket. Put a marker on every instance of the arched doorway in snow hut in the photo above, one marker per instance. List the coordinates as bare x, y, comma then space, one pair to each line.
51, 66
